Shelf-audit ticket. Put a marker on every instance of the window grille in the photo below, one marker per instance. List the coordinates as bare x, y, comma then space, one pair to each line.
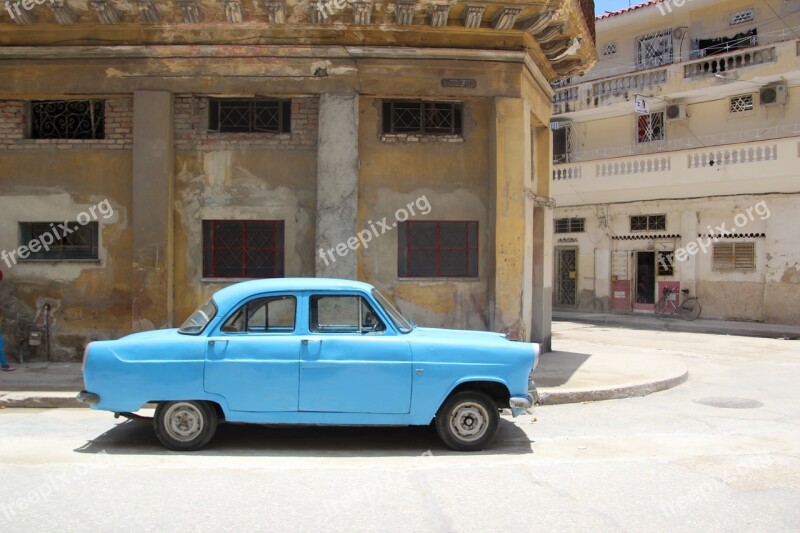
563, 142
431, 118
650, 127
437, 249
67, 119
243, 249
570, 225
648, 222
665, 261
251, 115
742, 103
610, 49
654, 49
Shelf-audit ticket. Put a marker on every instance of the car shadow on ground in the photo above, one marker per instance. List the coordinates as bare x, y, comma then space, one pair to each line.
136, 437
555, 368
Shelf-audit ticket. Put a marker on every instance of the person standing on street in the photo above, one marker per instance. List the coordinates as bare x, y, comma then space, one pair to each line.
3, 363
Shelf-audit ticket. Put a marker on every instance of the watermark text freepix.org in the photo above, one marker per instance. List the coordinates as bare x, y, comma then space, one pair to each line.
715, 234
375, 229
27, 5
57, 233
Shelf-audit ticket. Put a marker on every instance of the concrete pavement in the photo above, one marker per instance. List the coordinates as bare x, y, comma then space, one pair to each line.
578, 371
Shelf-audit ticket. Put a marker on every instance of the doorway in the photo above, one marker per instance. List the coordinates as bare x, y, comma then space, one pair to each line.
566, 277
645, 293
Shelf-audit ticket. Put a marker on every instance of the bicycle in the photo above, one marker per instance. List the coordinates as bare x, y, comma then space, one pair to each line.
689, 308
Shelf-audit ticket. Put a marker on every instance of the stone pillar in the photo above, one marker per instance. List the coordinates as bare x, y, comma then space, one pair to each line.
151, 216
542, 300
511, 164
337, 186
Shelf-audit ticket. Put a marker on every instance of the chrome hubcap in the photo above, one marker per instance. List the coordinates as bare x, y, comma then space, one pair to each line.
184, 421
469, 421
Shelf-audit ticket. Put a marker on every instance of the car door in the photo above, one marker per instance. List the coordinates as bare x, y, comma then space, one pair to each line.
254, 360
350, 361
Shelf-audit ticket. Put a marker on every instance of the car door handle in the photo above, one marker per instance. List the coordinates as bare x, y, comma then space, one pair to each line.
213, 342
310, 341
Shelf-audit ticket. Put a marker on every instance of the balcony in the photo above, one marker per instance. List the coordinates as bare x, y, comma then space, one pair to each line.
678, 80
737, 168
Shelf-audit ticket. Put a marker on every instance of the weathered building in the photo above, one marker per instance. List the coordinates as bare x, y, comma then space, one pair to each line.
194, 143
698, 191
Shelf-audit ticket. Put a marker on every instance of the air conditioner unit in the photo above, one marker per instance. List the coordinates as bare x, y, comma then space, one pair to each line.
772, 94
676, 112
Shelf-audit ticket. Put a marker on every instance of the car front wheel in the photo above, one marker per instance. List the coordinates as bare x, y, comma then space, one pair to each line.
185, 425
467, 421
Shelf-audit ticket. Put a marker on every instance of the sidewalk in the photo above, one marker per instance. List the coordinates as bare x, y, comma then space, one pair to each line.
701, 325
582, 371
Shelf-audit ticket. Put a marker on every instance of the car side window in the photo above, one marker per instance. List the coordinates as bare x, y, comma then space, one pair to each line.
274, 314
343, 314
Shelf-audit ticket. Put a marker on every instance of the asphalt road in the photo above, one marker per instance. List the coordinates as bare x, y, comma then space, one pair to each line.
718, 453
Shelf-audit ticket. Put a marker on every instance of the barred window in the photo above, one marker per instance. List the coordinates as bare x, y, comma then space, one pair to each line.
430, 118
249, 115
243, 248
648, 222
741, 103
437, 249
67, 119
654, 49
51, 241
734, 256
650, 127
570, 225
665, 261
741, 17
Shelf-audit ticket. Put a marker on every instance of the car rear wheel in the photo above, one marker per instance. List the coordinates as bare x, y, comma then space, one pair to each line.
185, 425
467, 421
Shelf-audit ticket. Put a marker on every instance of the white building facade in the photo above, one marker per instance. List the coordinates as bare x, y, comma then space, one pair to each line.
677, 162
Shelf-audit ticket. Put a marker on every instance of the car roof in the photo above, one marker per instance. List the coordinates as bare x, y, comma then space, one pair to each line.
237, 292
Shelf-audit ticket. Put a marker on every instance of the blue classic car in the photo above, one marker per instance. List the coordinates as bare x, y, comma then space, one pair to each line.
310, 351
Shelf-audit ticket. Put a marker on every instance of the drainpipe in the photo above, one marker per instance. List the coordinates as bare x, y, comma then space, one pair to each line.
47, 332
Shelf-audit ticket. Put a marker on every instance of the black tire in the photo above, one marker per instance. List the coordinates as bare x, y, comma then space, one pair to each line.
691, 308
185, 425
467, 421
660, 308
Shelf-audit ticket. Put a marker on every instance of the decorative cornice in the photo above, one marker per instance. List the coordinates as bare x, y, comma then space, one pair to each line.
276, 11
233, 11
439, 15
506, 17
63, 13
473, 16
190, 11
148, 11
106, 11
404, 12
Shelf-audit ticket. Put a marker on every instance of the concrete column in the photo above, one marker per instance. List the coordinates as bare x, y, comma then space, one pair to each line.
337, 185
151, 216
510, 158
542, 228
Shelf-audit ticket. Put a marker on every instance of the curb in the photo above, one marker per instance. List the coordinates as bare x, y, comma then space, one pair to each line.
554, 396
40, 400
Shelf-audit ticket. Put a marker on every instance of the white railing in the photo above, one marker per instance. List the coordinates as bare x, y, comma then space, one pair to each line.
639, 166
626, 83
733, 156
724, 62
565, 95
566, 173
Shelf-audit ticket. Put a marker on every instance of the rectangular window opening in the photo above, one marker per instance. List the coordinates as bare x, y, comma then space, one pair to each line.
51, 241
67, 119
419, 117
249, 115
437, 249
243, 248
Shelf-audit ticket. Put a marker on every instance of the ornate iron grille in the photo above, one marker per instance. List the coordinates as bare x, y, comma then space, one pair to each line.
740, 104
55, 244
243, 249
566, 277
437, 249
67, 119
431, 118
648, 222
654, 49
251, 115
650, 127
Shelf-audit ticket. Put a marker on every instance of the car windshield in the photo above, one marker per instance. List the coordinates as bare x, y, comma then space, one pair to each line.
199, 319
400, 322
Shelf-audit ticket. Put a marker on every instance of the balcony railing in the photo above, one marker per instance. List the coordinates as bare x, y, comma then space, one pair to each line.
622, 84
724, 62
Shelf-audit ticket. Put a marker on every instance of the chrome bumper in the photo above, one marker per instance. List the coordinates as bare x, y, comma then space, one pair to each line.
88, 397
521, 405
